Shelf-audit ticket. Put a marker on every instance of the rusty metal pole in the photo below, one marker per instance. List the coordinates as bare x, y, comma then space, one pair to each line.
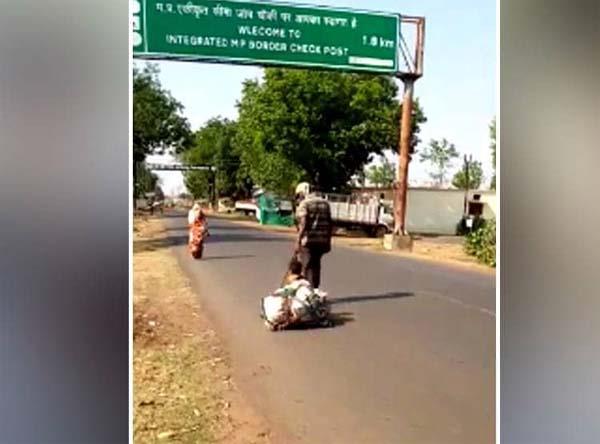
414, 72
401, 188
213, 187
466, 198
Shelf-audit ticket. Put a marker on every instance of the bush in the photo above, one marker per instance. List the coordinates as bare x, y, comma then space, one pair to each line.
463, 230
481, 243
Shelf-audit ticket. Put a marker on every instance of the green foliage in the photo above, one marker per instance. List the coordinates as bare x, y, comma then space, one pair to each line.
214, 145
481, 243
360, 179
198, 184
418, 118
475, 176
462, 229
158, 125
440, 154
493, 149
316, 126
146, 181
381, 175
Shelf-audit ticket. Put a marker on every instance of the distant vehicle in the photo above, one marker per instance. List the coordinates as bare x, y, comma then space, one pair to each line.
286, 206
158, 205
153, 202
252, 207
225, 205
372, 215
150, 203
248, 207
368, 213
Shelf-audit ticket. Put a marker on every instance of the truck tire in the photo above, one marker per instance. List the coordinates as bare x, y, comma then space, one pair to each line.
379, 231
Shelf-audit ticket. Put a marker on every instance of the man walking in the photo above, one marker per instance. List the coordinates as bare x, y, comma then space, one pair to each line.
314, 232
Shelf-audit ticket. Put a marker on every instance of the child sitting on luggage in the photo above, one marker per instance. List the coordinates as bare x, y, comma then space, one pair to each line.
294, 272
296, 301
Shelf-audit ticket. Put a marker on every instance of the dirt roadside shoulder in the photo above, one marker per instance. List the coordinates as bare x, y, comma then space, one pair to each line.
430, 250
183, 388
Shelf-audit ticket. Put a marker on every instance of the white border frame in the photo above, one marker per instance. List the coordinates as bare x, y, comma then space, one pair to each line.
130, 190
499, 212
130, 216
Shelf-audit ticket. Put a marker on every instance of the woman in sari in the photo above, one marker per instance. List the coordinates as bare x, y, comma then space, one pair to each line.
198, 230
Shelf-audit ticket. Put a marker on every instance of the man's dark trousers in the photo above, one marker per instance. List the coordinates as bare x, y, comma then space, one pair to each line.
311, 264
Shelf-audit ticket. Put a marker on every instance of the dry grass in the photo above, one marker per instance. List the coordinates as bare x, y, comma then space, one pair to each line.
183, 391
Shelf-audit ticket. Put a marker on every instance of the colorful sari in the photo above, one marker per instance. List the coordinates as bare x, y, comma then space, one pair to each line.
198, 230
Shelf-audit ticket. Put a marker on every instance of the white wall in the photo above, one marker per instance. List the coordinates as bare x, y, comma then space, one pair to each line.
438, 211
490, 209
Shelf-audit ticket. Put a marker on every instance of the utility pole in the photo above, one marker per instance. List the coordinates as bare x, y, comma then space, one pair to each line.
136, 166
401, 186
468, 162
213, 192
414, 71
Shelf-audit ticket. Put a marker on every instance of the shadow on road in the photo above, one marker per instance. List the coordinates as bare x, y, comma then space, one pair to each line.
182, 239
212, 227
341, 318
176, 229
235, 237
232, 227
368, 298
174, 215
337, 320
140, 246
219, 258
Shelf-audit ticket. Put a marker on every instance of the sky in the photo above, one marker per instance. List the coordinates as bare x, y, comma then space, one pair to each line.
457, 91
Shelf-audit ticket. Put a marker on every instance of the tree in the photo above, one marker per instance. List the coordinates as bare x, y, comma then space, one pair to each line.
382, 175
158, 125
316, 126
214, 145
146, 180
360, 178
418, 118
493, 149
197, 183
440, 154
475, 176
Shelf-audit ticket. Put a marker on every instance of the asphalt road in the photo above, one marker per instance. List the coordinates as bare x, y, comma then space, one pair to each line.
410, 360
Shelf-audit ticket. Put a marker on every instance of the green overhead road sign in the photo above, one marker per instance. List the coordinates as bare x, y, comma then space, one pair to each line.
266, 33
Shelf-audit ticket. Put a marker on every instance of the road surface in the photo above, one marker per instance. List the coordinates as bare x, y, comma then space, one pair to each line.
410, 360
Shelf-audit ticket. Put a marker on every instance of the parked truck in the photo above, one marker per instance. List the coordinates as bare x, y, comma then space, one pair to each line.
367, 213
247, 207
372, 215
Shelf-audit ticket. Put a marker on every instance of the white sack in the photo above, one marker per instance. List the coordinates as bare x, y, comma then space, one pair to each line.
274, 308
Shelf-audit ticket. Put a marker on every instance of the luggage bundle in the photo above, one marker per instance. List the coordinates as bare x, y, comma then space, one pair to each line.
296, 303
